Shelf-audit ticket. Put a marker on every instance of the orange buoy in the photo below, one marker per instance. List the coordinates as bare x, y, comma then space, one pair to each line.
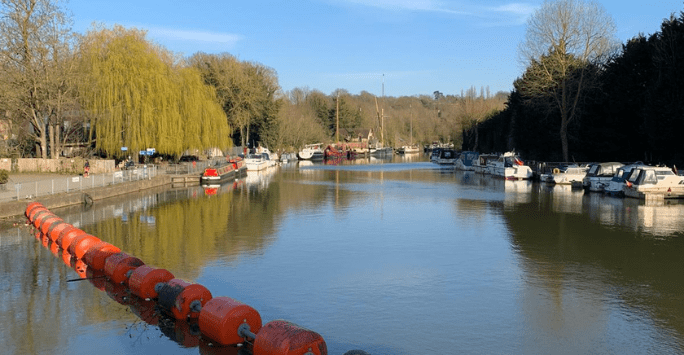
47, 223
221, 317
118, 265
80, 267
54, 249
32, 206
67, 236
143, 280
34, 211
96, 256
182, 299
81, 244
55, 229
66, 258
285, 338
44, 240
38, 217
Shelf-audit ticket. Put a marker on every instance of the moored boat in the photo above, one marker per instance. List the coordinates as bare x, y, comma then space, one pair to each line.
509, 166
565, 175
332, 152
598, 176
480, 166
223, 172
654, 182
446, 157
311, 152
256, 162
616, 185
466, 161
408, 149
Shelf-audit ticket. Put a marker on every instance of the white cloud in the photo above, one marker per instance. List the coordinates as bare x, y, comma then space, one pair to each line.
519, 11
410, 5
226, 39
516, 13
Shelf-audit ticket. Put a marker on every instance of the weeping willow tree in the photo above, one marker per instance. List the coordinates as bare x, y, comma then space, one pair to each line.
137, 97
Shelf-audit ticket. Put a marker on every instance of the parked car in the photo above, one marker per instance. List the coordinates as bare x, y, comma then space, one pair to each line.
188, 158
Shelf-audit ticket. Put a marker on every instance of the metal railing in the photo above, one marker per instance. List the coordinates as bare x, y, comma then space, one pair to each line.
51, 186
197, 167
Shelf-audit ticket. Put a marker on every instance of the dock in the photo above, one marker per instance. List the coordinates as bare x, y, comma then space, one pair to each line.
185, 180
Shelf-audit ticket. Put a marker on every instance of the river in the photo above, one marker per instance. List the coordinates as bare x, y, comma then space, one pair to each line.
391, 257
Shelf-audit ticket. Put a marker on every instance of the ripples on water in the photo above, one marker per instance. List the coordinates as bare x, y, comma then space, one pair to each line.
393, 258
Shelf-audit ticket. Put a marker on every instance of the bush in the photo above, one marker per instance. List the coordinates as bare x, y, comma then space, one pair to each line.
4, 176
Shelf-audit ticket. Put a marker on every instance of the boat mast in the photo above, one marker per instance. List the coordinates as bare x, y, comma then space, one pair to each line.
382, 121
337, 113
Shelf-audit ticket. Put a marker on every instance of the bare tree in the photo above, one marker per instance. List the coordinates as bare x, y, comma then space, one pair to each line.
36, 66
564, 40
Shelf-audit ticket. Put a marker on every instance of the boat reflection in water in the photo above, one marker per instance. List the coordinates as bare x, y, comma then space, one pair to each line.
259, 180
489, 266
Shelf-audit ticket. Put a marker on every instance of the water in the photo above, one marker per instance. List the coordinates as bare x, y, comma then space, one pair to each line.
395, 257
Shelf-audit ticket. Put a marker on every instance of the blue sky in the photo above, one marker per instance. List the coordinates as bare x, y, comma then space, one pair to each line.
414, 46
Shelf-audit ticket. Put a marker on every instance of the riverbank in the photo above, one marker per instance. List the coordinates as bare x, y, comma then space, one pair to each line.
12, 211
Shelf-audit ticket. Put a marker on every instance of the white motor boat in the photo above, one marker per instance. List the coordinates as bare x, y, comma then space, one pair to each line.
654, 181
616, 185
598, 176
311, 152
255, 162
466, 161
480, 166
446, 157
509, 166
565, 175
408, 149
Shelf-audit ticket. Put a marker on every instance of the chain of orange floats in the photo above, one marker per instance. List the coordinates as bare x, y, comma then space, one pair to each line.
225, 324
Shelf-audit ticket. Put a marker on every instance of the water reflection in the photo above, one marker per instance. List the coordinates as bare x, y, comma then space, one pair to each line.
358, 251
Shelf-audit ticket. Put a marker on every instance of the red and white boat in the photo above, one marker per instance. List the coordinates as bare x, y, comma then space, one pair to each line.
231, 169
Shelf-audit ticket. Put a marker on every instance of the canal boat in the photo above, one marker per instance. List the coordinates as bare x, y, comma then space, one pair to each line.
598, 176
565, 175
509, 167
658, 182
311, 152
616, 185
466, 161
333, 153
219, 173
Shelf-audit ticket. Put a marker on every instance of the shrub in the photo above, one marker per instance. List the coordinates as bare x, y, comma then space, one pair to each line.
4, 176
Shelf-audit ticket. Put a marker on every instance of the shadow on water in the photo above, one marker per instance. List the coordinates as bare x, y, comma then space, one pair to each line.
408, 244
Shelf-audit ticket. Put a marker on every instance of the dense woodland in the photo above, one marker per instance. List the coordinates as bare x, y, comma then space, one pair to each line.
113, 88
633, 111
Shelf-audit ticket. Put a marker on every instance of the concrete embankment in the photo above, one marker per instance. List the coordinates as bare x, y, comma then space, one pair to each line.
17, 208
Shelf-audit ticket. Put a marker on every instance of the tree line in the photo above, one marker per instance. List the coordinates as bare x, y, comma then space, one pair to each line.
115, 91
592, 103
112, 88
312, 116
